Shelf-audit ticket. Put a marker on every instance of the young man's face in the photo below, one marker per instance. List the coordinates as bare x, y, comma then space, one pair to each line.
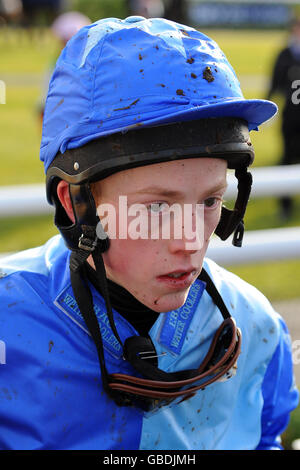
159, 270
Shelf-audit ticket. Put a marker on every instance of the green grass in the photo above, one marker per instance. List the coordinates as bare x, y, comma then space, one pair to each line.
263, 214
20, 137
276, 280
23, 61
21, 233
21, 52
293, 430
249, 52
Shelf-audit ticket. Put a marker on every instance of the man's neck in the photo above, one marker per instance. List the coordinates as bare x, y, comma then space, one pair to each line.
139, 315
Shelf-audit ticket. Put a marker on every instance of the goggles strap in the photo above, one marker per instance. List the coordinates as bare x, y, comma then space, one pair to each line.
132, 353
211, 369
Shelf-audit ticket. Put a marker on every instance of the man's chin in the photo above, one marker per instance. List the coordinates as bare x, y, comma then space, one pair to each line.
170, 301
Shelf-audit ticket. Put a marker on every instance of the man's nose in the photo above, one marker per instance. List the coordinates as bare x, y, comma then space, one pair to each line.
190, 237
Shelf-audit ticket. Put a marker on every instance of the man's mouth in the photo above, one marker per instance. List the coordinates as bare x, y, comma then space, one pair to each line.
179, 277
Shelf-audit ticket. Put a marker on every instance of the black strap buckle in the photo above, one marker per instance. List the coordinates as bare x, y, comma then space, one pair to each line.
238, 234
86, 243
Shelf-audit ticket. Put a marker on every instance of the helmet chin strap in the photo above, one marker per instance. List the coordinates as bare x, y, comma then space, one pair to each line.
231, 221
89, 244
84, 298
86, 219
156, 384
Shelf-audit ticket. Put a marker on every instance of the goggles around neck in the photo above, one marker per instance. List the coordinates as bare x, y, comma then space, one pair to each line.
219, 364
153, 387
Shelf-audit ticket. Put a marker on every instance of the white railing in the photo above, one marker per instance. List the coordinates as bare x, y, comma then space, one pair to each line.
270, 181
23, 200
258, 246
267, 181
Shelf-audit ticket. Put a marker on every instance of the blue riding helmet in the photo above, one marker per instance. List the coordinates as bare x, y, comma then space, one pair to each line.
116, 75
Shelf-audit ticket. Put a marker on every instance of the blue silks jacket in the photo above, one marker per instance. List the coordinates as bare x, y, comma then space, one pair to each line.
51, 394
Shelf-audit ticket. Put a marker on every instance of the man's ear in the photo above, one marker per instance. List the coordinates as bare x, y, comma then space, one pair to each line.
64, 197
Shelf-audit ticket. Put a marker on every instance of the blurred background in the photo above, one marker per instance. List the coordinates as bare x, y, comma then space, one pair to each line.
261, 39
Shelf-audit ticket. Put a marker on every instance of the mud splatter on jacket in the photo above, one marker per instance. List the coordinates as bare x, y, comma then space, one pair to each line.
51, 395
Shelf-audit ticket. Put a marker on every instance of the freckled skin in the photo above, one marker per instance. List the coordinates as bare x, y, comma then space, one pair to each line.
136, 264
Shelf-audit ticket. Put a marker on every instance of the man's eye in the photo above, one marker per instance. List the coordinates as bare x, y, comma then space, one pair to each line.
211, 202
158, 207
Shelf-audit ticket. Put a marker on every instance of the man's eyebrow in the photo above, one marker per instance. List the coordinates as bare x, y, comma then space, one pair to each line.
158, 190
218, 187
